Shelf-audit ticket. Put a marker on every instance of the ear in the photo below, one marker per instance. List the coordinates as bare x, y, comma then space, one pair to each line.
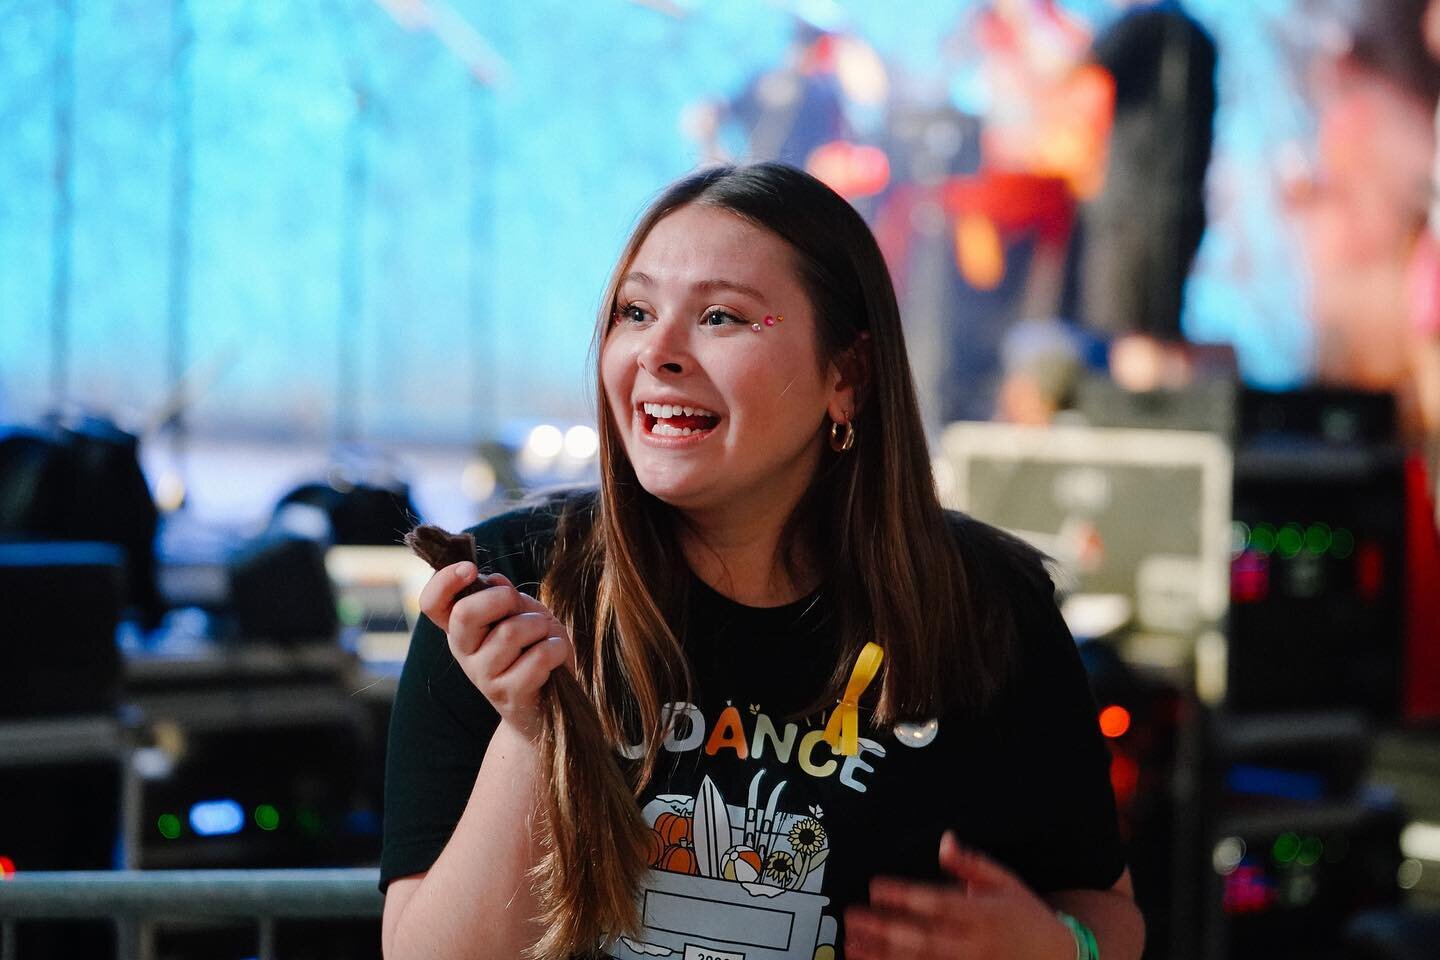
849, 377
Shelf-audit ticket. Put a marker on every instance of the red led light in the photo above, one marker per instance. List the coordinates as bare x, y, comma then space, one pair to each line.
7, 868
1124, 779
1249, 578
1114, 721
1248, 890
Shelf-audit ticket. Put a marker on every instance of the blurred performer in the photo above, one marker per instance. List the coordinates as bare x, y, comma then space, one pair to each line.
977, 235
1142, 230
1044, 124
810, 112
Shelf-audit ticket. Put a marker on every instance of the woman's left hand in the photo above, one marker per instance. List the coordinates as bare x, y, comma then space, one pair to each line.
989, 913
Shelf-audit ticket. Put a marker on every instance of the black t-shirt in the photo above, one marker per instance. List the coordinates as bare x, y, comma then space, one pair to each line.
762, 836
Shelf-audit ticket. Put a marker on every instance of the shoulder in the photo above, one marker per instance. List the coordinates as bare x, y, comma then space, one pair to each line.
997, 564
519, 542
1012, 599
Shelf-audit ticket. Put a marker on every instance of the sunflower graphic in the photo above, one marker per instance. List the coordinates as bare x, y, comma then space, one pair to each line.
779, 868
807, 837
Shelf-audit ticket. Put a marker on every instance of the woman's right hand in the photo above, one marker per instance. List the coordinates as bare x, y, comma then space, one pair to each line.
506, 642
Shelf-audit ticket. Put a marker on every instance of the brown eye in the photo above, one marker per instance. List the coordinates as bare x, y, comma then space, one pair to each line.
719, 318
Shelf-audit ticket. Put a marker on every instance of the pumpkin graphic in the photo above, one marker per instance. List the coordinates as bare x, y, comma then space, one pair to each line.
654, 847
673, 828
679, 859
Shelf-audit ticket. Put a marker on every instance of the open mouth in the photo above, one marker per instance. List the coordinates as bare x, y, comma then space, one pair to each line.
668, 420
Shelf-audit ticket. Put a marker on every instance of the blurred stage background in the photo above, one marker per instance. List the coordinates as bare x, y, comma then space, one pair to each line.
277, 278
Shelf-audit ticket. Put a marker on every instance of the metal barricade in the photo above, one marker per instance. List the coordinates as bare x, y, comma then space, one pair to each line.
137, 899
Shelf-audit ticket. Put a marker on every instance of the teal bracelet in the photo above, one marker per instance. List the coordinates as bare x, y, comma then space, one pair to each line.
1085, 946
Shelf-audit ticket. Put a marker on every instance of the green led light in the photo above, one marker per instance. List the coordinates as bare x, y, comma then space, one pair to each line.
1289, 541
1262, 538
267, 817
1287, 846
309, 822
169, 826
1310, 850
1342, 544
1318, 539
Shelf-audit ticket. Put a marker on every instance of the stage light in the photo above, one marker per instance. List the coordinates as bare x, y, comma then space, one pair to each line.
1311, 849
581, 442
1286, 847
1408, 876
1289, 541
1342, 544
168, 825
1262, 539
1239, 537
1227, 855
1114, 721
545, 441
1318, 539
267, 817
7, 868
478, 480
1421, 841
216, 818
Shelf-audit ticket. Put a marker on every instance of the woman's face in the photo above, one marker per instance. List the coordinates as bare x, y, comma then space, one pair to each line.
682, 355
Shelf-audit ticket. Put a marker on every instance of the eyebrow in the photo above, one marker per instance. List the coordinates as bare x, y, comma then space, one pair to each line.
704, 286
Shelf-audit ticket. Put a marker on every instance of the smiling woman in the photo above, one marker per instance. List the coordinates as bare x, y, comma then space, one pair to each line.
765, 544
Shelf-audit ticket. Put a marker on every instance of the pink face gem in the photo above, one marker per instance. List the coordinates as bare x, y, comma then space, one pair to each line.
755, 327
769, 320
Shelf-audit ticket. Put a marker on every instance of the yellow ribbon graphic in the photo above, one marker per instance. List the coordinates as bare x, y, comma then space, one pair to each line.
842, 732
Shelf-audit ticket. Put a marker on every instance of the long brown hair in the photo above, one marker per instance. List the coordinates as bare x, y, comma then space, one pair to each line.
870, 525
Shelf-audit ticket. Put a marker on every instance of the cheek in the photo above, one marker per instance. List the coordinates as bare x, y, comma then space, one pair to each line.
616, 378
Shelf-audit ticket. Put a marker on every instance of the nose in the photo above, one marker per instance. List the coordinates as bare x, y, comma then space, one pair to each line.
666, 351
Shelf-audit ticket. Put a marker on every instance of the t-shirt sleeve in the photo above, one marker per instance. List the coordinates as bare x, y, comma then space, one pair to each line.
440, 727
1054, 784
440, 724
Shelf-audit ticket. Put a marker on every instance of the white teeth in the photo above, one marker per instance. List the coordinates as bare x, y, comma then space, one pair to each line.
664, 411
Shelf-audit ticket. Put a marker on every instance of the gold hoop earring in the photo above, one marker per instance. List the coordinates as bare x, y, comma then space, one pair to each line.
842, 436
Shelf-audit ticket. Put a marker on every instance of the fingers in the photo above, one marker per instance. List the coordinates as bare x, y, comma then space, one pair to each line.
438, 594
472, 618
977, 871
922, 902
522, 681
507, 640
871, 935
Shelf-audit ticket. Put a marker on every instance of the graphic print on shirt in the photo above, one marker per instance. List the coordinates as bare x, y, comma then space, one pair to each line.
733, 882
730, 881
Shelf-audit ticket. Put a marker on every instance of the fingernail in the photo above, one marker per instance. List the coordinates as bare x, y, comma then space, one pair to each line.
465, 571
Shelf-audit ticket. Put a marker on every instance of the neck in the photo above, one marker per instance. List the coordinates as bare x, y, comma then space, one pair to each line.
738, 553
